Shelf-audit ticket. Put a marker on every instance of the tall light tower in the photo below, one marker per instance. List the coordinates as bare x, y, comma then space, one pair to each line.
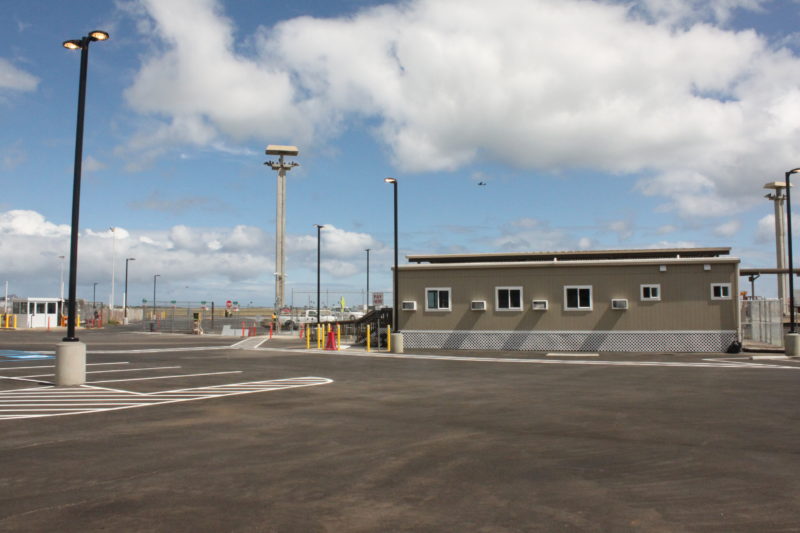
779, 198
280, 216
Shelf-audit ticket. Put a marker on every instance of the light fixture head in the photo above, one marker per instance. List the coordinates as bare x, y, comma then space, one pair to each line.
320, 226
131, 259
390, 180
794, 171
73, 44
98, 35
276, 149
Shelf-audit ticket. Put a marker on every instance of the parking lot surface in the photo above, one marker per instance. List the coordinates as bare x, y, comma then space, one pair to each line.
187, 433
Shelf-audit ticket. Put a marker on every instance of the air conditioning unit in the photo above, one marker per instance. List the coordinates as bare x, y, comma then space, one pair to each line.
478, 305
539, 305
619, 304
408, 306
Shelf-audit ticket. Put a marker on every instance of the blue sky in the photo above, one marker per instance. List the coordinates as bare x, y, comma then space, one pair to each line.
595, 125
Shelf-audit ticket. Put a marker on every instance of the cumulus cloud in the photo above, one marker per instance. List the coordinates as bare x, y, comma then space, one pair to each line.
531, 234
16, 79
182, 255
728, 229
623, 229
30, 223
696, 110
687, 11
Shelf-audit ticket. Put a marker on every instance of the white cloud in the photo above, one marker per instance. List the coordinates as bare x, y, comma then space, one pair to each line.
673, 244
623, 229
665, 229
20, 222
539, 84
16, 79
728, 229
529, 234
183, 255
90, 164
688, 11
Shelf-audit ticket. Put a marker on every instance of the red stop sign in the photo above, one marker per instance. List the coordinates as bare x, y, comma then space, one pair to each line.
229, 304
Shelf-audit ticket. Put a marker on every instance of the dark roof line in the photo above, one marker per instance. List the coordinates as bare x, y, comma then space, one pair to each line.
580, 255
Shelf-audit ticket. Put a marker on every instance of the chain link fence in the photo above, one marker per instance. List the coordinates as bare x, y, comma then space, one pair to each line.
202, 317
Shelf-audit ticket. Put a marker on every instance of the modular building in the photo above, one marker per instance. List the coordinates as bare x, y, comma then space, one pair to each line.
663, 300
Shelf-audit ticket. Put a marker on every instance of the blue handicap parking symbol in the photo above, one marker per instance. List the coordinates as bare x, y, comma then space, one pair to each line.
17, 355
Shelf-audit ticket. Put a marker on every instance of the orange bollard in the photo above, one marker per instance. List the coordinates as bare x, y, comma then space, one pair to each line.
331, 343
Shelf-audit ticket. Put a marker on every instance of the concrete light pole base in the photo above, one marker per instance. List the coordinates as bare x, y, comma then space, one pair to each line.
792, 343
397, 343
70, 364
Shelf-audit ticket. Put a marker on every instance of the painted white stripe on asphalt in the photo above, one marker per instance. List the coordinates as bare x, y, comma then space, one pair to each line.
100, 399
53, 366
672, 364
109, 371
167, 377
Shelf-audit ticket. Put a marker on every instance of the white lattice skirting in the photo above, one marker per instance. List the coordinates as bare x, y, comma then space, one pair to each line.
572, 341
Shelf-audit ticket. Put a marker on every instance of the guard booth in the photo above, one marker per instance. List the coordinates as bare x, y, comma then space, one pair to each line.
38, 312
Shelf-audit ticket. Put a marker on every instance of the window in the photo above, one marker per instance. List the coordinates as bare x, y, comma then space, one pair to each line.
437, 299
720, 291
651, 293
578, 298
509, 298
539, 305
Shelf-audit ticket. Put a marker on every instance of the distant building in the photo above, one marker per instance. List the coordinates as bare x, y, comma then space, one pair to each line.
667, 300
37, 312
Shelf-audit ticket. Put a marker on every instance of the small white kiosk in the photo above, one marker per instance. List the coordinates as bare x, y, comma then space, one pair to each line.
38, 312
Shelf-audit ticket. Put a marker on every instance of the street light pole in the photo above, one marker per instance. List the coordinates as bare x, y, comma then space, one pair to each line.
71, 354
395, 294
280, 214
113, 264
61, 284
792, 325
154, 294
94, 295
83, 45
319, 230
366, 307
125, 296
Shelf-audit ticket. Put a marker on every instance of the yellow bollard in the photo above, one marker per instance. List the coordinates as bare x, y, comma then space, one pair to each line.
15, 321
307, 333
367, 337
338, 336
388, 338
319, 336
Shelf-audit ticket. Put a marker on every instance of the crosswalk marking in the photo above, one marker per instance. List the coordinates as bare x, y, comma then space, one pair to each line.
53, 401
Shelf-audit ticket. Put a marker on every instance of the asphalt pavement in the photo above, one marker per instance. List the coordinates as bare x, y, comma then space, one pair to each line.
189, 433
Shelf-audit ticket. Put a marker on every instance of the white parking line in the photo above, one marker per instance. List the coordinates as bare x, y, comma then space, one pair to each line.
165, 377
672, 364
53, 366
52, 401
110, 371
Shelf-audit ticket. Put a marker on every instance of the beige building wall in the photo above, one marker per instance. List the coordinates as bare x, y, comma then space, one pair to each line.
685, 305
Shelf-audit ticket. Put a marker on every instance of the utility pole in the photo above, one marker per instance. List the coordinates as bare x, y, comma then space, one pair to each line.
779, 198
280, 215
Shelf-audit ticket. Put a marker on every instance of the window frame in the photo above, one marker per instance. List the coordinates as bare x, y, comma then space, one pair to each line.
727, 286
497, 307
438, 290
644, 286
579, 288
